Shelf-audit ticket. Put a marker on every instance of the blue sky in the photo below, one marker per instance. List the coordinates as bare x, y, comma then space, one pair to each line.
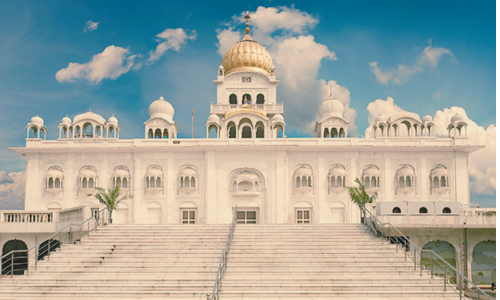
38, 39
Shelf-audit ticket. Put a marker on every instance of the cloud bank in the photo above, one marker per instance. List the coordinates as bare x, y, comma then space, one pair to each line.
109, 64
90, 26
12, 190
430, 58
482, 162
170, 39
297, 56
115, 61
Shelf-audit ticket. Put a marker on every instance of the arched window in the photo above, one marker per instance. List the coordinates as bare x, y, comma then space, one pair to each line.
57, 183
233, 99
246, 97
422, 210
151, 182
182, 181
150, 133
396, 210
246, 133
124, 183
165, 134
443, 181
309, 182
401, 181
436, 182
325, 133
193, 182
297, 183
374, 181
232, 132
260, 99
334, 133
446, 210
158, 182
32, 133
84, 183
51, 183
20, 261
408, 181
304, 181
342, 133
91, 183
332, 183
212, 132
367, 182
260, 132
158, 133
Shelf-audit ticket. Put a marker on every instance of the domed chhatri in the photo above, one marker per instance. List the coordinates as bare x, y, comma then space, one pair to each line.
457, 118
113, 120
426, 119
161, 109
331, 108
37, 120
247, 55
66, 121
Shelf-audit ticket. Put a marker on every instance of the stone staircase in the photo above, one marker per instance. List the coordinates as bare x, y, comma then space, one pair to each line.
266, 262
128, 262
322, 261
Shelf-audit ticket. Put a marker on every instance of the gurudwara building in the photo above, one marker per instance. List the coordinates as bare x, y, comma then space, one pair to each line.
247, 161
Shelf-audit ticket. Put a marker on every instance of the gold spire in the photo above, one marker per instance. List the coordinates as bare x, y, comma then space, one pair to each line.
247, 17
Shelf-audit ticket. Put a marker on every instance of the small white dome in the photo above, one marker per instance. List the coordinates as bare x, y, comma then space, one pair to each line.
371, 171
37, 120
331, 108
277, 118
66, 121
187, 172
338, 171
213, 118
457, 118
161, 109
379, 119
122, 173
427, 118
154, 172
303, 171
90, 116
405, 171
88, 172
221, 68
439, 171
113, 120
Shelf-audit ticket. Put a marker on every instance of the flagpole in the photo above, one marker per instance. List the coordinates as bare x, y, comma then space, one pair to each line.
192, 123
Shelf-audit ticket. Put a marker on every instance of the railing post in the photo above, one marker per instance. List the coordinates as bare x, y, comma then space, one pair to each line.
432, 265
445, 277
11, 264
414, 259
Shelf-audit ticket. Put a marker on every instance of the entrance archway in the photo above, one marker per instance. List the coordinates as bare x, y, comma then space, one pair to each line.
19, 259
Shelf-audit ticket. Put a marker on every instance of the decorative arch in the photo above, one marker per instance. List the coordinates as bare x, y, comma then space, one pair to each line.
446, 251
484, 263
19, 262
188, 179
240, 178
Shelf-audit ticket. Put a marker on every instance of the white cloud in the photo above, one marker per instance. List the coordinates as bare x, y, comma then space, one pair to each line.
227, 38
170, 39
5, 178
90, 26
111, 63
297, 57
12, 193
430, 56
482, 162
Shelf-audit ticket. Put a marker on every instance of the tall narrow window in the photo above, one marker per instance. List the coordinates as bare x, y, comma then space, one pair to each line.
84, 183
260, 99
91, 183
124, 183
57, 184
158, 182
233, 99
51, 183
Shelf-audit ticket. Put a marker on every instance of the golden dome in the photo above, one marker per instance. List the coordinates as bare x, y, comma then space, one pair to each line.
247, 55
245, 108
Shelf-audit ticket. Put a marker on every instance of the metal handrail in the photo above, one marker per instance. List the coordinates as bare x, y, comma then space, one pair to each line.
223, 260
400, 239
42, 250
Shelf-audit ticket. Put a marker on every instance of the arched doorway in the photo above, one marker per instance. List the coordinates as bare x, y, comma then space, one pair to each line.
484, 259
446, 251
18, 262
44, 248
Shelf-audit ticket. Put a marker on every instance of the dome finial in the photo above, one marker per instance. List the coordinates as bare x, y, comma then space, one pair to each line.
247, 29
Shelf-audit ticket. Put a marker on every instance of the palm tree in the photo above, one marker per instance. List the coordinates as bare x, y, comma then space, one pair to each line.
110, 199
360, 196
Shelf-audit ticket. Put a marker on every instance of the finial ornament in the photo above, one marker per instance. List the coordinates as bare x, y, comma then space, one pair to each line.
247, 29
245, 99
331, 89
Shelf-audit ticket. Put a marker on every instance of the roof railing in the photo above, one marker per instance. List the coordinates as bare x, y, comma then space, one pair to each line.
437, 265
223, 260
21, 262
